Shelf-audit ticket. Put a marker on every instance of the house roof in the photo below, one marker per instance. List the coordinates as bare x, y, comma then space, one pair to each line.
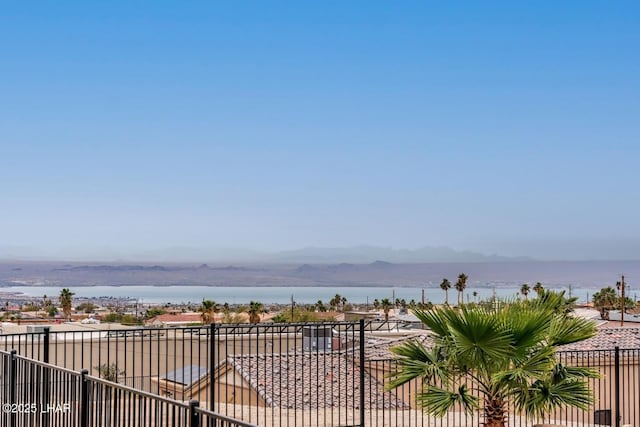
379, 348
608, 338
323, 379
177, 318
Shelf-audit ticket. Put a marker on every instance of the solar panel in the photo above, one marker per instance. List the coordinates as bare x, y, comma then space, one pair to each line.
186, 375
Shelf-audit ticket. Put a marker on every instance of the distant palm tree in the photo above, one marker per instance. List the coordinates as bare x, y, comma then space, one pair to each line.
604, 300
376, 304
461, 284
208, 310
445, 285
66, 302
386, 305
320, 306
334, 302
538, 288
255, 308
524, 290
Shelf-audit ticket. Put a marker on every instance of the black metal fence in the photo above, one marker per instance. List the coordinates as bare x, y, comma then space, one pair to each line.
303, 374
35, 393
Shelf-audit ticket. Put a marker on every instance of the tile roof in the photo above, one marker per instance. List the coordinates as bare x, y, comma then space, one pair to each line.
323, 379
379, 348
177, 318
608, 338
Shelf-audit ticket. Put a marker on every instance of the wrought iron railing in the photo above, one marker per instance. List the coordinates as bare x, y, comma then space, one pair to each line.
302, 374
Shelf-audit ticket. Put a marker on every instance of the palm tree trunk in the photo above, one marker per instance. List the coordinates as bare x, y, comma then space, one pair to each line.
494, 413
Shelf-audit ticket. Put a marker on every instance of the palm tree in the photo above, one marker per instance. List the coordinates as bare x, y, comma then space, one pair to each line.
538, 288
506, 355
376, 304
335, 302
208, 310
524, 290
461, 284
604, 300
66, 302
386, 305
255, 308
445, 285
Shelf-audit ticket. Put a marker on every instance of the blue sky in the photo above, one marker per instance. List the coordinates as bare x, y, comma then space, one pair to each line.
491, 126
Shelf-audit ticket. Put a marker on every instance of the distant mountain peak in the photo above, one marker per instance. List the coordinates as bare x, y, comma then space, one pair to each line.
378, 263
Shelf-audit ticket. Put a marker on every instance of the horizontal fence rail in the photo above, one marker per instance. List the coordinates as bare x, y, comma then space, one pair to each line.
300, 374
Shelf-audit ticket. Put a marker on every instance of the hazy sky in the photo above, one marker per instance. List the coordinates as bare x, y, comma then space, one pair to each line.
491, 126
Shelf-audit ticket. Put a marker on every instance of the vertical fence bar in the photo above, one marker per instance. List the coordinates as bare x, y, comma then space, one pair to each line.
84, 398
46, 392
194, 418
13, 384
617, 385
45, 344
212, 366
362, 390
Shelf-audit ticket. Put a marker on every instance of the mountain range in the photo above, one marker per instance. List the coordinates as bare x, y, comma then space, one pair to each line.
310, 255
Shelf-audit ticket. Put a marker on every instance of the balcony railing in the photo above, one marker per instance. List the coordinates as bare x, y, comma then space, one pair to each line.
36, 393
303, 374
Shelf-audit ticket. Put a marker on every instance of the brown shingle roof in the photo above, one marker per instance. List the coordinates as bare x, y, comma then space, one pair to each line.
322, 380
377, 348
608, 339
177, 318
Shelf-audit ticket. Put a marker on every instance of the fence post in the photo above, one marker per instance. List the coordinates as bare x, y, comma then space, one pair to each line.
194, 418
45, 343
362, 387
617, 382
46, 392
84, 398
13, 381
212, 366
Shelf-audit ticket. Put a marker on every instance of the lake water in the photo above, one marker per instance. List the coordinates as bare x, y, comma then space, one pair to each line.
281, 295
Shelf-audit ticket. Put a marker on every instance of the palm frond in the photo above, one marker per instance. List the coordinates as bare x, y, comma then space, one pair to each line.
439, 401
528, 327
569, 330
436, 320
544, 396
580, 372
415, 361
478, 338
537, 365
